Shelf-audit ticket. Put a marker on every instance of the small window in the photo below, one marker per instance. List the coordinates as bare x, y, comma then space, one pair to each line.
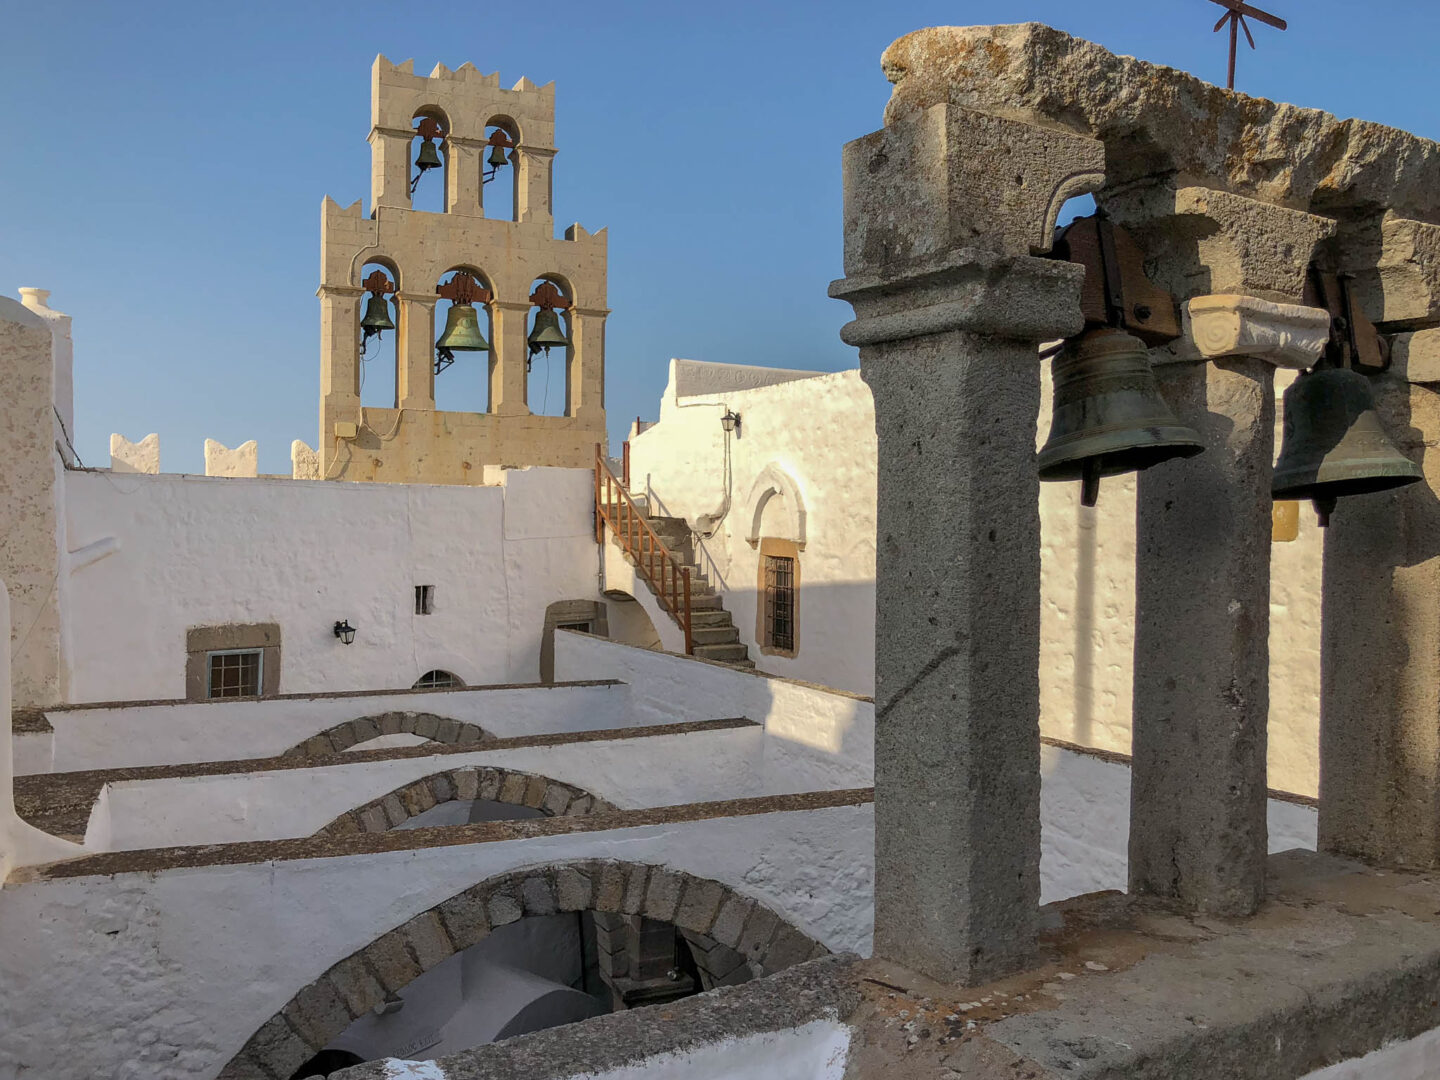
780, 602
234, 673
437, 680
424, 599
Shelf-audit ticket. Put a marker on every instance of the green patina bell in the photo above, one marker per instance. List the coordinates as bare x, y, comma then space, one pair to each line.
1333, 443
497, 157
462, 331
428, 157
1108, 416
377, 316
547, 333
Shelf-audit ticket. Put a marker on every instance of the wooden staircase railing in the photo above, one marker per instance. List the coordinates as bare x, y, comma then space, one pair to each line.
656, 563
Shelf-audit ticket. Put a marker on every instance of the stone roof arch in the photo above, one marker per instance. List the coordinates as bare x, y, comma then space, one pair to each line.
341, 737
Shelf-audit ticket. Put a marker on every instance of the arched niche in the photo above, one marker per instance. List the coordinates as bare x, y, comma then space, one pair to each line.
377, 374
500, 184
761, 515
464, 385
427, 192
550, 373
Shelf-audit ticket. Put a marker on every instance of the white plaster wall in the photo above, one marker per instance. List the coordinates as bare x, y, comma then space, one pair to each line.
816, 738
663, 770
821, 430
1413, 1059
171, 972
184, 732
198, 551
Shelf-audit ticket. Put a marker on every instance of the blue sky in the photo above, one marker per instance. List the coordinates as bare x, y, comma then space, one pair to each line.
166, 164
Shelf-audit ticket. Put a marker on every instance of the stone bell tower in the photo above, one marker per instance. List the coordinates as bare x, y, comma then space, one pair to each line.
473, 123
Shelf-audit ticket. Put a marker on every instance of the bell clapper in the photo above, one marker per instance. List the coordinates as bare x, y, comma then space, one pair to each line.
1323, 505
1090, 482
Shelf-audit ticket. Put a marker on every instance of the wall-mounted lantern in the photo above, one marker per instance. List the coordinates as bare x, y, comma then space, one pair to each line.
344, 631
730, 422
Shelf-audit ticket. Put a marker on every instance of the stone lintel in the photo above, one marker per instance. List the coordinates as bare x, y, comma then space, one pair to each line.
1416, 356
1232, 324
1396, 263
1157, 120
1208, 241
971, 289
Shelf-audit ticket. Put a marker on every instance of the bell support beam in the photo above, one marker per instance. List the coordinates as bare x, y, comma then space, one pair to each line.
508, 384
950, 307
1380, 627
1198, 834
415, 388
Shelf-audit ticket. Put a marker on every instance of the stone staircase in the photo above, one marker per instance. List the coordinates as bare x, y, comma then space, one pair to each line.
715, 633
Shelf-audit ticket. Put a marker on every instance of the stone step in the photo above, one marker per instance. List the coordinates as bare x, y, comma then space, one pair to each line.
710, 619
714, 635
726, 653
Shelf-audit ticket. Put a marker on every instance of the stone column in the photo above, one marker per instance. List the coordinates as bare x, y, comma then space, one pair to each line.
390, 167
533, 187
585, 372
1202, 585
464, 161
415, 382
1380, 625
339, 366
508, 382
950, 309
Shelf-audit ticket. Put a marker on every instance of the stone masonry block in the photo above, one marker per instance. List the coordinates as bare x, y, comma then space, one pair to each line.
759, 929
470, 735
390, 723
581, 806
447, 731
394, 809
512, 790
392, 962
573, 889
787, 948
442, 787
556, 799
357, 985
342, 737
318, 1012
700, 904
504, 906
344, 825
425, 726
730, 922
535, 791
135, 457
465, 918
366, 729
662, 897
537, 892
633, 902
373, 819
467, 784
427, 939
417, 798
610, 887
244, 1066
317, 746
278, 1047
490, 784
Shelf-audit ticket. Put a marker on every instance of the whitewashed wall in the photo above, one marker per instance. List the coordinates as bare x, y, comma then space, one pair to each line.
171, 972
821, 429
177, 733
198, 551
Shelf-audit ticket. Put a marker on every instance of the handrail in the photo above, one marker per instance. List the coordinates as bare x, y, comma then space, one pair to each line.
646, 550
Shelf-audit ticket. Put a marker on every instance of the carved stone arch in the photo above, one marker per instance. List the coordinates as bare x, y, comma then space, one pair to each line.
511, 786
440, 729
774, 480
319, 1012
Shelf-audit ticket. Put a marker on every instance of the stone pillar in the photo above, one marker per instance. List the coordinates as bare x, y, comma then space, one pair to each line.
464, 160
585, 370
508, 384
533, 186
63, 354
950, 309
1380, 625
339, 367
1202, 585
415, 384
390, 167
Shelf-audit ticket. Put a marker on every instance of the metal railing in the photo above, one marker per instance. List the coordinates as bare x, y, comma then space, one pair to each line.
656, 563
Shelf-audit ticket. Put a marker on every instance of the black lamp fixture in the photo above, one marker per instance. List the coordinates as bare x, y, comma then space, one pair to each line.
730, 422
344, 631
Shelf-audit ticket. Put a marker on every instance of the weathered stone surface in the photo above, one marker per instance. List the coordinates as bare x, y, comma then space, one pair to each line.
447, 731
535, 788
698, 908
1396, 263
467, 784
556, 799
1286, 335
427, 939
318, 1012
442, 787
504, 906
537, 893
465, 918
1416, 356
278, 1047
358, 987
392, 962
1167, 121
662, 897
572, 889
731, 921
634, 899
610, 887
512, 789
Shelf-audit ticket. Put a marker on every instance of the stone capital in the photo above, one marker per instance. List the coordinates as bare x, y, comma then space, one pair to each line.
970, 289
326, 292
1208, 241
1231, 324
949, 177
427, 299
590, 312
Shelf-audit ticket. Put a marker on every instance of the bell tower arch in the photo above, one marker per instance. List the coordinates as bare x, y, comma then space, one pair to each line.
460, 132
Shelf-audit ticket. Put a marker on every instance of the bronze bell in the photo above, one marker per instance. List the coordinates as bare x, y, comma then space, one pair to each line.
428, 157
462, 331
497, 157
547, 333
1108, 417
377, 316
1333, 444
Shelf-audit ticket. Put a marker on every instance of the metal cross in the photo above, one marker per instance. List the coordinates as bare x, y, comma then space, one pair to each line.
1235, 16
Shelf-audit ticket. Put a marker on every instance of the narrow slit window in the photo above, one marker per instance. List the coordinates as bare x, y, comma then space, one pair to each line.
234, 673
779, 602
424, 599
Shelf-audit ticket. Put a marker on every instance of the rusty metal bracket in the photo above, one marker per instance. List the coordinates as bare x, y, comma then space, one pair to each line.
1116, 292
1354, 342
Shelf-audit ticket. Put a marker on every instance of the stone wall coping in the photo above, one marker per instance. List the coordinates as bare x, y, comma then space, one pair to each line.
39, 794
154, 860
328, 695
